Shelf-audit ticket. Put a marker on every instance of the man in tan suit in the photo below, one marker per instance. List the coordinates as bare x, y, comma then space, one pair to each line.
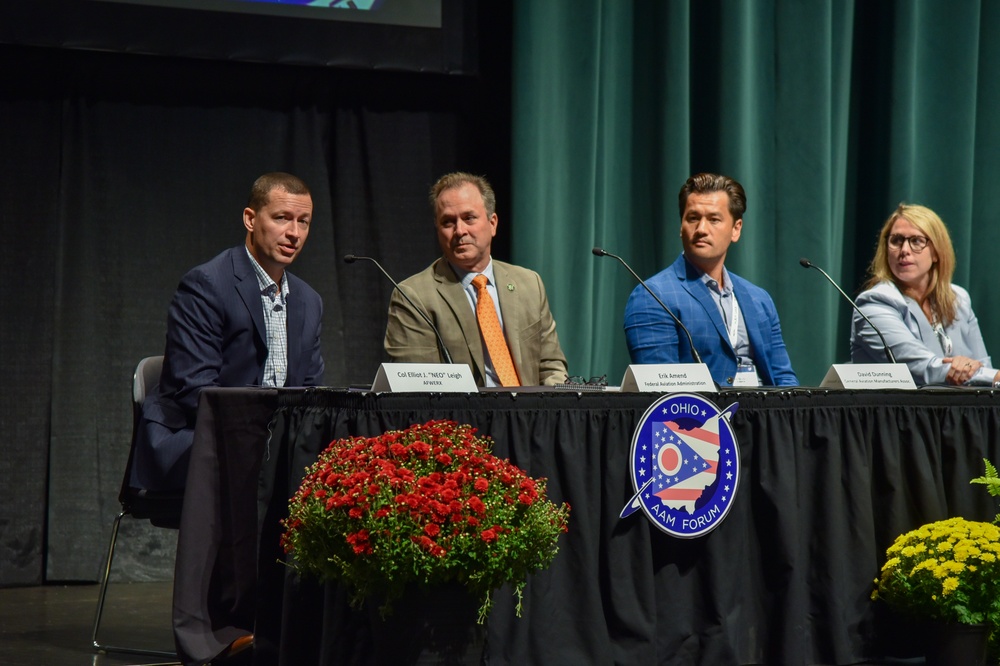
466, 221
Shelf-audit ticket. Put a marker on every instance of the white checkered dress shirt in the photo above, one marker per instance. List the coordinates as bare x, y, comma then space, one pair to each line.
273, 303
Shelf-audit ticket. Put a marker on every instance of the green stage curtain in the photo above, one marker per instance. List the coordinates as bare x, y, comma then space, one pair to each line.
829, 112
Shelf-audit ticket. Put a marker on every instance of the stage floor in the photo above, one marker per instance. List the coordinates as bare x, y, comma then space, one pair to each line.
50, 625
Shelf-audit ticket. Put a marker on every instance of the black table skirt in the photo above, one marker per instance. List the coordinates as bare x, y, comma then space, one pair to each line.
828, 479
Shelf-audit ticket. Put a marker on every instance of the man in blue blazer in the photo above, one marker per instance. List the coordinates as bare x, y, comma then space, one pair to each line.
238, 320
733, 323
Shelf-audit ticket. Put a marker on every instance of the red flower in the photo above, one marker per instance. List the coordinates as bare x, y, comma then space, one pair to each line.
476, 505
359, 536
430, 546
436, 486
359, 542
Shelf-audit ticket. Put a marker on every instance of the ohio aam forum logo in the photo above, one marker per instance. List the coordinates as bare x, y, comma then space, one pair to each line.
685, 465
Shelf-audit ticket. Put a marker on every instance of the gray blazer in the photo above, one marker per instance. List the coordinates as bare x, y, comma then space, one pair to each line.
528, 323
911, 338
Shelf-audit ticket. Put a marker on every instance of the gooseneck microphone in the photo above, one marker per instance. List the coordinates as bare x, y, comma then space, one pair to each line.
601, 252
351, 258
805, 263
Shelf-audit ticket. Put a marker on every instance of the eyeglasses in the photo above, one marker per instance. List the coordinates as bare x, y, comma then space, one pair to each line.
593, 381
917, 243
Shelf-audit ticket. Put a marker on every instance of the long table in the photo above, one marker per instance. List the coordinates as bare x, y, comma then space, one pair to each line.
828, 479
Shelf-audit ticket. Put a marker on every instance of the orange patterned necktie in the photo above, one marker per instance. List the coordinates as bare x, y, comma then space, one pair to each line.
489, 326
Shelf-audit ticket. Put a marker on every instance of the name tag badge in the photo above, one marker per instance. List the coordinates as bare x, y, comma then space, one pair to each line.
746, 375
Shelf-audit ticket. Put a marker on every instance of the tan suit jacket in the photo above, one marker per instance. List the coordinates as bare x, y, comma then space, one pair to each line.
528, 323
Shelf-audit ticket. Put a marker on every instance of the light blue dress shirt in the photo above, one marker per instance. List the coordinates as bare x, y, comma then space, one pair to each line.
470, 291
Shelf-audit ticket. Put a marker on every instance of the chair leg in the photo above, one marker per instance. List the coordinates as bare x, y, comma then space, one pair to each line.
104, 579
102, 594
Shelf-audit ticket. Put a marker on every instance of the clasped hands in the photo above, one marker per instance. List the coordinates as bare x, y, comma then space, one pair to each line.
962, 369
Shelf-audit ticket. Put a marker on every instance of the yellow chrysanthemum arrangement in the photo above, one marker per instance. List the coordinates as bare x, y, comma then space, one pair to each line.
948, 571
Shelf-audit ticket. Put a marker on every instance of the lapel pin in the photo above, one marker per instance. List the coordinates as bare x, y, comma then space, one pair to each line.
510, 287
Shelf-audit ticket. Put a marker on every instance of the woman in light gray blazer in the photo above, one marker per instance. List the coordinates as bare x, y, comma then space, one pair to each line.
927, 321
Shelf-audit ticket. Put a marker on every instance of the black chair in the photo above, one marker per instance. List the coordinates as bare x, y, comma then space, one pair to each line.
160, 509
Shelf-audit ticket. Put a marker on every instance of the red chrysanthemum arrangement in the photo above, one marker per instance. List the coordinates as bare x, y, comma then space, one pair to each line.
429, 504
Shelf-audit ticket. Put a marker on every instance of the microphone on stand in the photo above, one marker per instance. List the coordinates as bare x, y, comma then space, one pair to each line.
805, 263
600, 252
351, 258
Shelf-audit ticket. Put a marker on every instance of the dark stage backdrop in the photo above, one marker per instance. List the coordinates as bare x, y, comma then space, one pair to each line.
118, 172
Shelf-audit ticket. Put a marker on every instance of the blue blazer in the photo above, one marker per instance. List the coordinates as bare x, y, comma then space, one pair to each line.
653, 337
216, 337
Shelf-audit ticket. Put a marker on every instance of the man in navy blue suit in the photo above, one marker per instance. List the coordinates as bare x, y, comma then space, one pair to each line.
240, 319
733, 323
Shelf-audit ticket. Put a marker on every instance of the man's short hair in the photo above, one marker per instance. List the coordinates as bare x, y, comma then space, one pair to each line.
704, 183
276, 180
459, 178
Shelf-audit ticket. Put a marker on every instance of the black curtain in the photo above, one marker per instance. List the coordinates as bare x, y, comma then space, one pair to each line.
827, 480
119, 172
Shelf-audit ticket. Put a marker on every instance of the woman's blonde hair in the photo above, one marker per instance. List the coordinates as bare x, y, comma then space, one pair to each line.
939, 290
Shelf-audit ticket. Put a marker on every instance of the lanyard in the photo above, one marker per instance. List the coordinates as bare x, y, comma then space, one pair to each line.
733, 327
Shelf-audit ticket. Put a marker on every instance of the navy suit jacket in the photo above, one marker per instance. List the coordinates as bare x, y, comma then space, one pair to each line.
653, 337
216, 337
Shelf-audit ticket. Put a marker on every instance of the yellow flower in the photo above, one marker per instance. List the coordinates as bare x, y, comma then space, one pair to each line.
947, 568
963, 557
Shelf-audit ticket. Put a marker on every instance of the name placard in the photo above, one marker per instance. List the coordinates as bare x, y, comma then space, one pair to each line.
668, 378
424, 378
868, 376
